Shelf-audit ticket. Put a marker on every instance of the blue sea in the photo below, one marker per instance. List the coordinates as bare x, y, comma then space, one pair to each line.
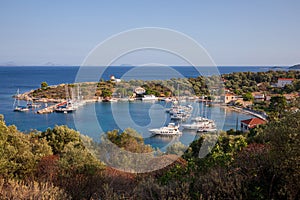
96, 118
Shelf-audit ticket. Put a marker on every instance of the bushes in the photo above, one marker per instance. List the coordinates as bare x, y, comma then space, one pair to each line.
232, 169
20, 190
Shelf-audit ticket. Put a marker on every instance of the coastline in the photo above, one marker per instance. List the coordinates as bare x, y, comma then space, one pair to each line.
25, 96
241, 110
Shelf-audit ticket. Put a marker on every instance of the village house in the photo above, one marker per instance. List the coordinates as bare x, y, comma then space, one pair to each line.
281, 82
247, 125
258, 97
139, 90
290, 97
114, 79
229, 98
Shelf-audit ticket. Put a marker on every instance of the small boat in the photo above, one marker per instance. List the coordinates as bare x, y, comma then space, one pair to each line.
206, 130
113, 100
17, 107
21, 109
199, 123
180, 109
33, 105
149, 98
168, 99
180, 116
65, 107
170, 130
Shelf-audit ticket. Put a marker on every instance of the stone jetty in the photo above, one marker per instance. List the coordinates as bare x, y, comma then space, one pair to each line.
46, 110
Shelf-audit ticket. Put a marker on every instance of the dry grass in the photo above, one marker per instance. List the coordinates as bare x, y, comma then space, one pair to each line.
19, 190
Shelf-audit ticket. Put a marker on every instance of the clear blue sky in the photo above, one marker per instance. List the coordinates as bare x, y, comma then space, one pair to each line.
256, 32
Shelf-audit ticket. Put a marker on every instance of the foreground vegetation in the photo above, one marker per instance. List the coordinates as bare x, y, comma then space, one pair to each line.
55, 164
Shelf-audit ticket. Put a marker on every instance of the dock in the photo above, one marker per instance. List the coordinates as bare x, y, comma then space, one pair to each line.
47, 110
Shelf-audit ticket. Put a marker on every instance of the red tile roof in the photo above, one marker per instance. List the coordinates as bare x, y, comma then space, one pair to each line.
253, 122
286, 79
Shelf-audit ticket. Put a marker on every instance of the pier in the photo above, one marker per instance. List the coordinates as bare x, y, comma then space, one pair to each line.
46, 110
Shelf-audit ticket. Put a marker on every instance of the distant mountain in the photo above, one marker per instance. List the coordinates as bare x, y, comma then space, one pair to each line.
9, 63
276, 67
295, 67
50, 64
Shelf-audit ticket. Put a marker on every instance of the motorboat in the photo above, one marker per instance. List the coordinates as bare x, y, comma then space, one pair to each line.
199, 123
149, 98
169, 130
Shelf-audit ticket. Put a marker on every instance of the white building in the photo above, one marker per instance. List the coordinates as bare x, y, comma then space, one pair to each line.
258, 97
114, 79
247, 125
228, 98
284, 81
139, 90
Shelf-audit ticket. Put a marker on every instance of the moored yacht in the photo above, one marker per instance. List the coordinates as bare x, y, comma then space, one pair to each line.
21, 109
65, 107
17, 107
199, 123
169, 130
149, 98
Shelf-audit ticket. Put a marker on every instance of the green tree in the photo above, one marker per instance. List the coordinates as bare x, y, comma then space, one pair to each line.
278, 104
248, 97
44, 85
59, 137
284, 137
19, 153
177, 148
106, 93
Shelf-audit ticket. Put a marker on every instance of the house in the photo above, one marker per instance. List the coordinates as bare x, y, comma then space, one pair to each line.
228, 98
248, 124
281, 82
139, 90
290, 97
258, 97
114, 79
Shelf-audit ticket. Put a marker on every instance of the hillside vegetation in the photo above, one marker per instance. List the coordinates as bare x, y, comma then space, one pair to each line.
56, 164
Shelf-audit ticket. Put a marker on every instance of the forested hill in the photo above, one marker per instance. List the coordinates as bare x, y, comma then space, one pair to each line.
295, 66
243, 82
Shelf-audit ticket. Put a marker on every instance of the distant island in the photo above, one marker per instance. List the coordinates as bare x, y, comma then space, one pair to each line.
295, 66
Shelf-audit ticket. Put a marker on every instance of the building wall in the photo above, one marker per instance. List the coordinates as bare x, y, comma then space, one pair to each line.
282, 83
244, 127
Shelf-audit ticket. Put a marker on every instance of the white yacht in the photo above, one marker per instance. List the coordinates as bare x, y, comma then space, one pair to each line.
169, 130
65, 107
21, 109
199, 123
17, 107
209, 129
149, 98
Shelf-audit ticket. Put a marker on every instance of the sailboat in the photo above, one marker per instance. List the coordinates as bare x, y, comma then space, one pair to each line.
17, 107
67, 106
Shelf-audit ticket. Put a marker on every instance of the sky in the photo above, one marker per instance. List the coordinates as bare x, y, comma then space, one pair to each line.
233, 32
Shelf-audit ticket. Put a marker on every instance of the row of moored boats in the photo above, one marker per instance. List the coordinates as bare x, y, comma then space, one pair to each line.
183, 113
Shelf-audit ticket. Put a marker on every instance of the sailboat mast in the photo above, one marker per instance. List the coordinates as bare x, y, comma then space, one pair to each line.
236, 125
67, 92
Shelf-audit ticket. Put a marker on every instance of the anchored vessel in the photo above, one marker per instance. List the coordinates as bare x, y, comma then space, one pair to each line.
169, 130
198, 123
17, 107
65, 107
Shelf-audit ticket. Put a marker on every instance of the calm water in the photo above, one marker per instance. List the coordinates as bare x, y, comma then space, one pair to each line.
108, 116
